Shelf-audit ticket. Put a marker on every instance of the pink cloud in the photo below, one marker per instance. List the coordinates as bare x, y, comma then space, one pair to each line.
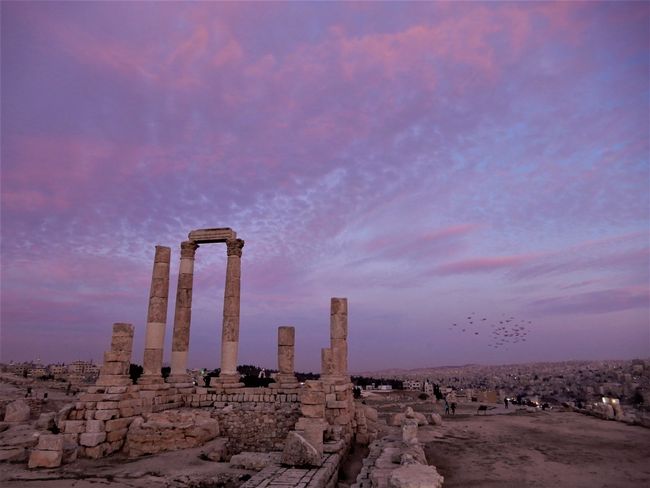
484, 264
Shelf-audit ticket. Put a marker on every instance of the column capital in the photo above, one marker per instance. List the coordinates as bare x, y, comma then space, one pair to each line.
188, 249
234, 247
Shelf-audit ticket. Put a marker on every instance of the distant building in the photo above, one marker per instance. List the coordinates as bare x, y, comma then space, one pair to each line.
385, 387
414, 385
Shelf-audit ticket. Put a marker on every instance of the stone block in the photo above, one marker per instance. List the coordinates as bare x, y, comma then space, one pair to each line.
13, 454
46, 421
286, 336
117, 424
116, 435
45, 459
313, 411
311, 397
91, 439
95, 426
74, 426
107, 414
17, 411
415, 476
50, 442
115, 368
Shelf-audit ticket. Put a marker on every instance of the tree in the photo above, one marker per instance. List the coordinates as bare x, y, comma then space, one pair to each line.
135, 371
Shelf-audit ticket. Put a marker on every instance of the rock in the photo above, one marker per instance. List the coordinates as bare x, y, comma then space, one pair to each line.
170, 430
45, 459
415, 476
4, 426
62, 415
421, 418
371, 414
410, 431
255, 461
17, 411
396, 419
46, 421
436, 419
16, 441
50, 442
216, 450
299, 452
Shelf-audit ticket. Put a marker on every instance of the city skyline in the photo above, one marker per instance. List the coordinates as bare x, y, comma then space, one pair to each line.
429, 161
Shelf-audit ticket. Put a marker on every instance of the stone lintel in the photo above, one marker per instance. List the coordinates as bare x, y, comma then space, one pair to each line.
207, 236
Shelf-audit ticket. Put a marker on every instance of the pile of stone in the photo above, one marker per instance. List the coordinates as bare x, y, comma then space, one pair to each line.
399, 461
169, 431
366, 420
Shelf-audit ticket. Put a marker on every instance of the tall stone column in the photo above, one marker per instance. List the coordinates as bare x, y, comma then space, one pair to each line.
156, 318
286, 354
339, 336
230, 331
183, 314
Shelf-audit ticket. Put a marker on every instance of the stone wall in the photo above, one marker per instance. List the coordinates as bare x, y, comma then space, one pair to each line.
253, 419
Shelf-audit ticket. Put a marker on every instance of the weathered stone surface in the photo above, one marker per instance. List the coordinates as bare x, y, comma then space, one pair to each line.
410, 431
298, 452
50, 442
46, 421
254, 460
415, 476
91, 439
17, 411
436, 419
169, 431
13, 454
286, 336
216, 450
19, 436
45, 459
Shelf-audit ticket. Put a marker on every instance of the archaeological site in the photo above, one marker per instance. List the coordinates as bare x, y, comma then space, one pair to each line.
290, 433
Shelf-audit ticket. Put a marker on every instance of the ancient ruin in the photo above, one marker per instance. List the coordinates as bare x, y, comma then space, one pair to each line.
309, 426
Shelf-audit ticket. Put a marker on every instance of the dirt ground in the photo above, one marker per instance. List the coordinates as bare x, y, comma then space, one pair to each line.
543, 449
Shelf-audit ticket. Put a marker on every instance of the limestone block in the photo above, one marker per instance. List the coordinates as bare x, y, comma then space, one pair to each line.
436, 419
415, 476
107, 414
45, 459
410, 431
115, 368
298, 452
338, 306
13, 454
91, 439
339, 326
116, 435
17, 411
46, 421
95, 426
121, 328
327, 362
216, 450
286, 336
50, 442
117, 424
74, 426
313, 411
312, 397
19, 436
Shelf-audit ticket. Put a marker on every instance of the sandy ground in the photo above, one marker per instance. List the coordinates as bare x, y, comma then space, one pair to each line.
543, 449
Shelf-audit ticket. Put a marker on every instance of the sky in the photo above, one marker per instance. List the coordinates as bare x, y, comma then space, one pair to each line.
428, 161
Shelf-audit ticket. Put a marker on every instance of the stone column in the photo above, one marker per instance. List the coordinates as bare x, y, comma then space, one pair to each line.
156, 318
115, 370
230, 331
286, 354
339, 336
183, 314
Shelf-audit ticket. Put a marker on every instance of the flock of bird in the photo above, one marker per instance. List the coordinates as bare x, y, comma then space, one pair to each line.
502, 332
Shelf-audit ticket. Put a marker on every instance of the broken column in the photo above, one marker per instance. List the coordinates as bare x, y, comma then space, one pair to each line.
156, 318
183, 314
286, 354
230, 331
339, 336
115, 370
